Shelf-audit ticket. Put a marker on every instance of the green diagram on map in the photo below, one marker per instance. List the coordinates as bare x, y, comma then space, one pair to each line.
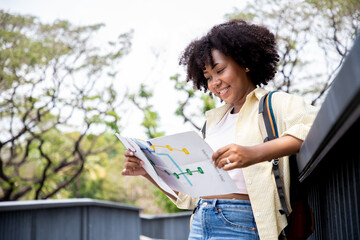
188, 171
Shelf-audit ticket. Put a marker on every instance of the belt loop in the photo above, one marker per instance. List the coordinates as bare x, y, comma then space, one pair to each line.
216, 209
195, 209
214, 203
199, 202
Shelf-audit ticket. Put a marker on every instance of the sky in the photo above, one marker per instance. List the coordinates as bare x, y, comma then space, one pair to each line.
162, 29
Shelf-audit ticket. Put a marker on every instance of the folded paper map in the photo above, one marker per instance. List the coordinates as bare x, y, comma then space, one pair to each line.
181, 162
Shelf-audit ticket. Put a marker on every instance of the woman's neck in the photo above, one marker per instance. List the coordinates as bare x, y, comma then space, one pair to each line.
239, 105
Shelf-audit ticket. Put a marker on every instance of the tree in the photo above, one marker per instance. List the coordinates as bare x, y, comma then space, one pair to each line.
201, 102
309, 33
56, 90
341, 26
151, 117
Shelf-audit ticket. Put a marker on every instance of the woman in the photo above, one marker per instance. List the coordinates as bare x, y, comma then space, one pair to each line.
233, 61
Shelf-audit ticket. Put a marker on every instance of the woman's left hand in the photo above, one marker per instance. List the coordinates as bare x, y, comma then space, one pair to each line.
234, 156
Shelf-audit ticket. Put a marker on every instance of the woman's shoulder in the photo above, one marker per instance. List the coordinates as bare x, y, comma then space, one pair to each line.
285, 103
281, 98
283, 95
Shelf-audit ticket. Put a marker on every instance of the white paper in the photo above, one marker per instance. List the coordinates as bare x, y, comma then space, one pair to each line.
181, 162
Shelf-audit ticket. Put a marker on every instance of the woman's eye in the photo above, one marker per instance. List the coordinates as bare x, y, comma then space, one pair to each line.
220, 71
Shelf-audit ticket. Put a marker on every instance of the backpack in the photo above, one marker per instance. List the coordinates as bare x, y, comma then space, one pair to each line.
301, 220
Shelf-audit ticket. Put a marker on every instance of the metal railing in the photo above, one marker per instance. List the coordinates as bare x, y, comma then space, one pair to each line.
329, 160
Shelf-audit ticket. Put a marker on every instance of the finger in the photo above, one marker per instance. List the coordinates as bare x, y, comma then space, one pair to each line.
130, 156
223, 162
229, 166
220, 162
132, 169
125, 172
129, 172
134, 160
137, 163
129, 153
219, 153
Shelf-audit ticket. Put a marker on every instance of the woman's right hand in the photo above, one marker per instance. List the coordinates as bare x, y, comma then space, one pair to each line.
133, 165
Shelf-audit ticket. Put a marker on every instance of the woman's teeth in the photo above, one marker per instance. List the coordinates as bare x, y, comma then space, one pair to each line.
222, 92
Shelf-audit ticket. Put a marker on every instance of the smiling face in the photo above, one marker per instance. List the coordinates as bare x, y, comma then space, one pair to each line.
228, 80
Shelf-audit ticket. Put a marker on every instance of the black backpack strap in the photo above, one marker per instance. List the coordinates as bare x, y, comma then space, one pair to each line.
265, 111
203, 130
269, 120
279, 186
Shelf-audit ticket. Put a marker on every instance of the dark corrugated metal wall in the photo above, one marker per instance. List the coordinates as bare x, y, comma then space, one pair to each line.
172, 227
89, 220
86, 219
334, 190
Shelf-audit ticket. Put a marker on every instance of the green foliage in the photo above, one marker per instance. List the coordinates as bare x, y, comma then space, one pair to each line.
344, 8
164, 202
190, 99
151, 117
208, 103
97, 179
56, 87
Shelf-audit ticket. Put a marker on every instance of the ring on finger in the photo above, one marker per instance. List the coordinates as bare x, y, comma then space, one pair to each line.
227, 161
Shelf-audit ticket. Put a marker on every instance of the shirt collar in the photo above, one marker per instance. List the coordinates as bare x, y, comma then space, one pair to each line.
218, 113
257, 92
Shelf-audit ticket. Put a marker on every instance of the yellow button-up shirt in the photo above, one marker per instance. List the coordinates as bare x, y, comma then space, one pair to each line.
293, 117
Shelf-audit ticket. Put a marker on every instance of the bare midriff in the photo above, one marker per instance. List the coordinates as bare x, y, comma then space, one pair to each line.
229, 196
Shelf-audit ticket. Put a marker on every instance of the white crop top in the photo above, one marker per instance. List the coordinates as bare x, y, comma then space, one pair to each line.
224, 134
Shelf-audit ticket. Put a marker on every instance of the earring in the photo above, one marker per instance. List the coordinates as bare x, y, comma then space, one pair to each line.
247, 70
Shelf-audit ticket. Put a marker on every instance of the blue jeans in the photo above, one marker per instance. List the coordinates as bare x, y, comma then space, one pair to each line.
223, 219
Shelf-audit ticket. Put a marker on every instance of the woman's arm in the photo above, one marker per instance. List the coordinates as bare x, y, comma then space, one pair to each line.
133, 167
241, 156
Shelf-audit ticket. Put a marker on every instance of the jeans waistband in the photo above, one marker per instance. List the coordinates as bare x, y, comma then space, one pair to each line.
217, 202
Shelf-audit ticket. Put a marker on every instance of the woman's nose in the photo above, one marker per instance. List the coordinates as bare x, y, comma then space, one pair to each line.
216, 81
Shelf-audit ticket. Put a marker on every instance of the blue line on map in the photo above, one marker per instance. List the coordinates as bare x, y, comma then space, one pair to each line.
164, 154
143, 147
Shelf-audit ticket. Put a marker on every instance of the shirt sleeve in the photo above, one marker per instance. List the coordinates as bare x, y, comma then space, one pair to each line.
296, 115
185, 201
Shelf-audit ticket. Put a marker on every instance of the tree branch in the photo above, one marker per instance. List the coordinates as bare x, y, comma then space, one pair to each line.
44, 172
